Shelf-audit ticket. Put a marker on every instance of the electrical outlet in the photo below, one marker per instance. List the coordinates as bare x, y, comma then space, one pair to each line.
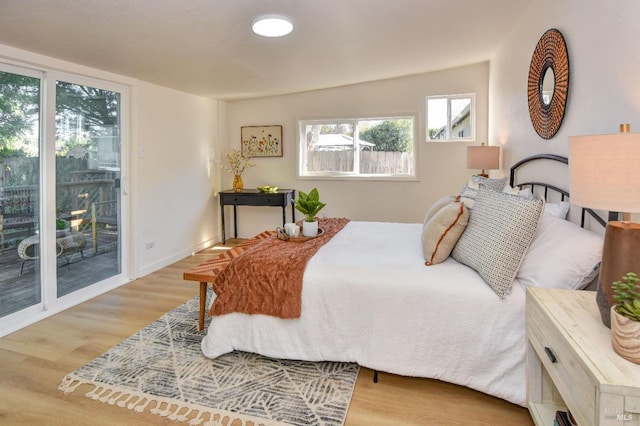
150, 245
142, 152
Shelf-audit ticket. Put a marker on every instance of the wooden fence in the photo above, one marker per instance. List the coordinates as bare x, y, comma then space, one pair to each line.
371, 162
87, 200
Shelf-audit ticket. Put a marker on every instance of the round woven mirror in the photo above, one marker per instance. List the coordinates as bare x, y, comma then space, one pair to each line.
548, 83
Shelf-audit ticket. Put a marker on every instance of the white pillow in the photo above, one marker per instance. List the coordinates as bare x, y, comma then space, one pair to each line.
500, 230
559, 210
469, 191
562, 255
524, 192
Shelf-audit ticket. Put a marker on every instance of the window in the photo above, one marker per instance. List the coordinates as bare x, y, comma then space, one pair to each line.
451, 118
379, 147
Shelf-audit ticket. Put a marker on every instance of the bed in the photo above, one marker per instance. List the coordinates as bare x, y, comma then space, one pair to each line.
369, 298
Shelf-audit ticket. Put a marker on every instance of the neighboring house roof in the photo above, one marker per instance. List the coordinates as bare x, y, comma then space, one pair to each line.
454, 122
338, 142
461, 117
77, 151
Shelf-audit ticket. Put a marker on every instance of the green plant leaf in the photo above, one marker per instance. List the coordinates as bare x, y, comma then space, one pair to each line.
309, 204
627, 295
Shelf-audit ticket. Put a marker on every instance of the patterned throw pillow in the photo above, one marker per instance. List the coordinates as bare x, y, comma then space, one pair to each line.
470, 189
441, 232
497, 237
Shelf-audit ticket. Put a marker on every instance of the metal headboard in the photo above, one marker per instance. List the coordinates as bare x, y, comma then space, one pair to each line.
564, 194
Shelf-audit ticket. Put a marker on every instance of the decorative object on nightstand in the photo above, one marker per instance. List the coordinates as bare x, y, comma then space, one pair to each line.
237, 184
309, 205
268, 188
483, 157
238, 163
625, 318
604, 174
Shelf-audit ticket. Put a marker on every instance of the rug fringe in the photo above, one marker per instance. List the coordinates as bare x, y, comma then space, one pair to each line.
194, 414
69, 384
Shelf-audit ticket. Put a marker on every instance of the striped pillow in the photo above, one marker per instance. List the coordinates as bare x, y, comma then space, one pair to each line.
435, 207
440, 234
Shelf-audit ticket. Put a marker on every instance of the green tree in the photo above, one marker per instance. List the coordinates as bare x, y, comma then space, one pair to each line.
19, 110
83, 112
390, 136
98, 107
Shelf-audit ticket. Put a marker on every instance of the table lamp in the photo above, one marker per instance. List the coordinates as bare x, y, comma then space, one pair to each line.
604, 174
483, 157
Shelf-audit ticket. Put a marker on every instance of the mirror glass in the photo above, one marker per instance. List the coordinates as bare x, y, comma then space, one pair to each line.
548, 86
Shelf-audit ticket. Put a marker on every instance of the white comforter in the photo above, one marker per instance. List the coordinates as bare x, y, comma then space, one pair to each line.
369, 298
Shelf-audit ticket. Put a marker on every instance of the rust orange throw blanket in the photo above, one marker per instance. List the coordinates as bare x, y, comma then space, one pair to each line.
267, 278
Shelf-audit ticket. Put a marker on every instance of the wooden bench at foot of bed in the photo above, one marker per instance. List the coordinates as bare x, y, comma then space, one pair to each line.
206, 272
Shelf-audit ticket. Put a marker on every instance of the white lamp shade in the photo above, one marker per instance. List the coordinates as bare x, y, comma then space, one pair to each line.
483, 157
604, 171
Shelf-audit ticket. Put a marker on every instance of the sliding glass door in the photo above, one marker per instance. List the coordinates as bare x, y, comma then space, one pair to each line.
87, 185
60, 191
20, 95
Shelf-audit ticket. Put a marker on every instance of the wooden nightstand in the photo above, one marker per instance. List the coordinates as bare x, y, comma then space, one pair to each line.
570, 362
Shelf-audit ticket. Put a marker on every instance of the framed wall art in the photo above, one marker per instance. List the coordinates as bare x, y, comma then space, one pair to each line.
261, 141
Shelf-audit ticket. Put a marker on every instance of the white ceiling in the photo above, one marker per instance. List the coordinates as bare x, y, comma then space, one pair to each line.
206, 47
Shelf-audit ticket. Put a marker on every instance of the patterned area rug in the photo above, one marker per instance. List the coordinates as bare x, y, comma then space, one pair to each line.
161, 369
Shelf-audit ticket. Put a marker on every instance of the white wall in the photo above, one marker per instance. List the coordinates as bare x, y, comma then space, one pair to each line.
171, 190
173, 198
441, 166
604, 68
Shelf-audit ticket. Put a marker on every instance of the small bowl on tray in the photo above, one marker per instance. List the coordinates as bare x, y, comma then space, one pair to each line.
268, 188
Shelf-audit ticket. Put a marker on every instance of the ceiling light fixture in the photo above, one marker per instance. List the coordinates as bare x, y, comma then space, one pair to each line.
272, 26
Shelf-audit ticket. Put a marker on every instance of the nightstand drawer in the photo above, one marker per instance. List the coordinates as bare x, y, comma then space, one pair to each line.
254, 199
569, 375
632, 404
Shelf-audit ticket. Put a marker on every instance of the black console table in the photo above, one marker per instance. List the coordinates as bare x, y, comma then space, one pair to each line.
253, 197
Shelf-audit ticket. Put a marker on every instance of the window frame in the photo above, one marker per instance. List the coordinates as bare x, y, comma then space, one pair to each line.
354, 175
448, 128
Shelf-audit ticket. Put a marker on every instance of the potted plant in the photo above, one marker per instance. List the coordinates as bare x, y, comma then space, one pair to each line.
625, 318
62, 227
309, 205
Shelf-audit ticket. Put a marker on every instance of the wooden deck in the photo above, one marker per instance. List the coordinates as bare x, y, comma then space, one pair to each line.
74, 272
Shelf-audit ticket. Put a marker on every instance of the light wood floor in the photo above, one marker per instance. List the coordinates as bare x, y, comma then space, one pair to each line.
34, 360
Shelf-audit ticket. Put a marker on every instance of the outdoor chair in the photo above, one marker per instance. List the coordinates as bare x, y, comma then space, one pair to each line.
67, 246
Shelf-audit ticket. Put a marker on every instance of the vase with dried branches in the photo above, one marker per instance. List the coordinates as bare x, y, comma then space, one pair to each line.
237, 164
